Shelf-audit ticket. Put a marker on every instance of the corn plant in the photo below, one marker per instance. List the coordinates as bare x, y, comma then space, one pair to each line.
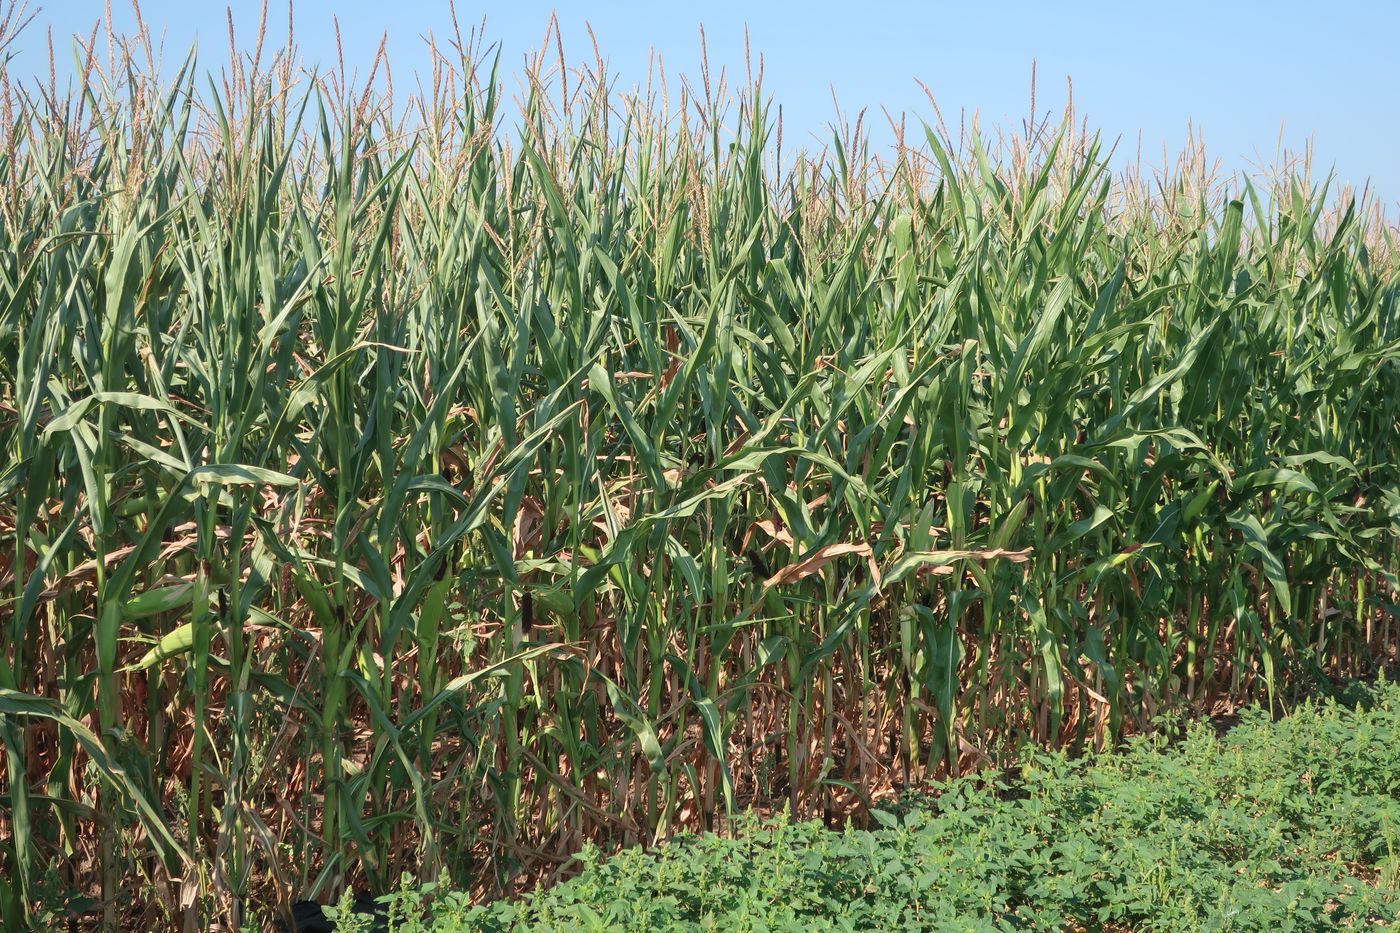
391, 485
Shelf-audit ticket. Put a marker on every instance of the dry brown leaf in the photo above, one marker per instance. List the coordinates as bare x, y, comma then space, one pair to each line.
528, 521
774, 530
816, 561
947, 569
875, 575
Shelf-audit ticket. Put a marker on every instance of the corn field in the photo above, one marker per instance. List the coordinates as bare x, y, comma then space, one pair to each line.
391, 486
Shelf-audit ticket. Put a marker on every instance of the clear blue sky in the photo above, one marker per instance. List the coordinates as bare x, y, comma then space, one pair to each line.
1238, 71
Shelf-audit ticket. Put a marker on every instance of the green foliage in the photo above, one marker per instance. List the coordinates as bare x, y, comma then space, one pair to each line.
1284, 826
384, 488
